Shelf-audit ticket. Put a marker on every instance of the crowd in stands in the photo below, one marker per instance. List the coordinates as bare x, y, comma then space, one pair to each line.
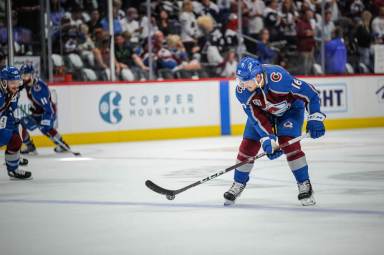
194, 39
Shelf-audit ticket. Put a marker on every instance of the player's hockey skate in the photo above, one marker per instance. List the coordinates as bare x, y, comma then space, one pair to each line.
20, 174
233, 193
29, 149
306, 193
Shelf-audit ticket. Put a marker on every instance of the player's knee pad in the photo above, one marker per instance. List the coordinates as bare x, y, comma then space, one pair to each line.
28, 123
248, 148
14, 144
292, 151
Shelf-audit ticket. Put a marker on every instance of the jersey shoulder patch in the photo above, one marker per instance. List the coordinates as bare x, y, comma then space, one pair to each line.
36, 87
276, 76
278, 79
40, 89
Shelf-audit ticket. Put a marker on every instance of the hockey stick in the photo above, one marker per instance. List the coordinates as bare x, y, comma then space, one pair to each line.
53, 138
65, 146
170, 194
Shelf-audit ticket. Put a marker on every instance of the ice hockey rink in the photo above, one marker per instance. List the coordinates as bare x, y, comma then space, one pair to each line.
98, 203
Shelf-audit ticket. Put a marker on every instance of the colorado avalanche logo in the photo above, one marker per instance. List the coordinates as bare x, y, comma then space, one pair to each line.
276, 76
239, 89
37, 87
288, 124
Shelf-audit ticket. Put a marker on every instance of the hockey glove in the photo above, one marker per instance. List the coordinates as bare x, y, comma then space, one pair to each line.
315, 125
269, 146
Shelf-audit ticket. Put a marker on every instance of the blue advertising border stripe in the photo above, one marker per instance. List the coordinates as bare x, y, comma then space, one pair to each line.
225, 119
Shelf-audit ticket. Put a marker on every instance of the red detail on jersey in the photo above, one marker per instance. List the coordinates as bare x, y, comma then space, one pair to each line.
276, 76
277, 102
262, 118
248, 148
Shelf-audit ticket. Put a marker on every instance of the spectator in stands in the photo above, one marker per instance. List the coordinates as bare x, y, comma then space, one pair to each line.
28, 17
230, 65
144, 23
77, 16
176, 47
378, 26
208, 8
131, 25
334, 9
306, 42
71, 41
102, 58
117, 28
272, 20
86, 45
224, 10
335, 53
256, 10
364, 39
188, 26
95, 22
357, 7
230, 34
210, 41
142, 55
22, 37
57, 13
329, 27
266, 54
288, 21
166, 25
123, 50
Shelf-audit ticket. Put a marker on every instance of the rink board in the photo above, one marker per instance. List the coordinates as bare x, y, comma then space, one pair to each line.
114, 112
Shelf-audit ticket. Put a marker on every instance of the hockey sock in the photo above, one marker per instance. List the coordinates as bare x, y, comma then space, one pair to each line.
26, 137
296, 159
54, 136
12, 160
248, 148
299, 169
241, 177
12, 153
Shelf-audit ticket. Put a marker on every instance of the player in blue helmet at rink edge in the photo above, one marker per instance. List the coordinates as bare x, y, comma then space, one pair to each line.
9, 132
43, 112
275, 102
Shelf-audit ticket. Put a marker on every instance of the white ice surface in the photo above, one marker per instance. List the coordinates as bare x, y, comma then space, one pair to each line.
98, 204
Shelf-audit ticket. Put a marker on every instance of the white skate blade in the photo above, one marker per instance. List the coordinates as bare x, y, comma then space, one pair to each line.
31, 153
14, 179
228, 202
308, 201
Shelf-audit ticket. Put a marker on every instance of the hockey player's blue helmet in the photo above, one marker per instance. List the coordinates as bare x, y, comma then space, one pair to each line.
9, 73
26, 69
248, 68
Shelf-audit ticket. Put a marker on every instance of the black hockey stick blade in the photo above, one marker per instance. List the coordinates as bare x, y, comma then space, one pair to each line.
156, 188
